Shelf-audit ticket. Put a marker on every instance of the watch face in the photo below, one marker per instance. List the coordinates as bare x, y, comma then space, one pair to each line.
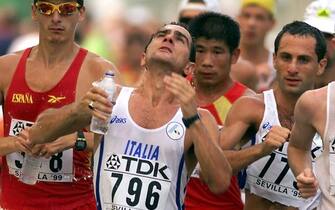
80, 145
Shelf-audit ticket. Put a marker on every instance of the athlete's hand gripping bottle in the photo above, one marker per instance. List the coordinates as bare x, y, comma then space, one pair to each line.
107, 83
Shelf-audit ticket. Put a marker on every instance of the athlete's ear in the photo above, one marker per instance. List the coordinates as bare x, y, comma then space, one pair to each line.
82, 14
333, 42
322, 65
33, 12
189, 69
143, 60
235, 55
274, 60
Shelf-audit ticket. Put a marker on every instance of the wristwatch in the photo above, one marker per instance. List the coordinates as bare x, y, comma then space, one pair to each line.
81, 143
189, 121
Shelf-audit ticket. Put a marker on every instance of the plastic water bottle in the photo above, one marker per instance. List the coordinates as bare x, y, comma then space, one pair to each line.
30, 169
107, 83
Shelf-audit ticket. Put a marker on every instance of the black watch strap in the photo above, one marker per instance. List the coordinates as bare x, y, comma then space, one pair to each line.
189, 121
81, 143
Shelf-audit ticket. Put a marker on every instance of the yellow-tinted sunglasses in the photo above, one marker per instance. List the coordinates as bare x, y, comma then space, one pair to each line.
64, 9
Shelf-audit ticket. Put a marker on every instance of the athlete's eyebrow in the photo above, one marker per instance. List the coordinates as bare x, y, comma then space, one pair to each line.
180, 34
162, 32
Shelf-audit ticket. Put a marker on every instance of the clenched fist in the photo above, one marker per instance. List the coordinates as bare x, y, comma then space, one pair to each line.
276, 137
307, 183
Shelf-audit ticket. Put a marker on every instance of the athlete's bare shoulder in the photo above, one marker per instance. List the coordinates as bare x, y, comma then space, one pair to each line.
9, 61
312, 105
97, 65
248, 108
250, 98
8, 65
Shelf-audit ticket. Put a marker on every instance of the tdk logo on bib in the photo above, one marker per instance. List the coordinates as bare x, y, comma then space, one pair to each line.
138, 166
135, 183
118, 120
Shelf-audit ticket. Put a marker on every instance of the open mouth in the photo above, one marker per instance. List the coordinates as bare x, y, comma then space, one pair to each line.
166, 49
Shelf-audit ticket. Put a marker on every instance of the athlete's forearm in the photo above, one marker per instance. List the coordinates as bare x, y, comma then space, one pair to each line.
12, 144
298, 159
63, 143
7, 145
215, 168
240, 159
55, 123
69, 141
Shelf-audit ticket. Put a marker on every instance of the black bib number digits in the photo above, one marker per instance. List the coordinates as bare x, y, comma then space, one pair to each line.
56, 162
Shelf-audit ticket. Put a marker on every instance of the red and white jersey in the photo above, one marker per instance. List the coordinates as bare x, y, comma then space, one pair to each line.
198, 195
65, 180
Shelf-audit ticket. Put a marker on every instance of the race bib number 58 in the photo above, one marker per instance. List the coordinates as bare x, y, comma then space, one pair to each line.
58, 168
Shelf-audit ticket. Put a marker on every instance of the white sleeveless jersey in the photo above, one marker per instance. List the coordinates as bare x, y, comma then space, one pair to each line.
138, 168
325, 165
270, 176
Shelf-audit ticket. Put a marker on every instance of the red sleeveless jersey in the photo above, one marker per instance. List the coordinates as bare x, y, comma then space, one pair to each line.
198, 195
1, 126
23, 105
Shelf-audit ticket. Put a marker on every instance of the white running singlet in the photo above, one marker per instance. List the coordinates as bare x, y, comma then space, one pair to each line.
270, 177
325, 165
137, 168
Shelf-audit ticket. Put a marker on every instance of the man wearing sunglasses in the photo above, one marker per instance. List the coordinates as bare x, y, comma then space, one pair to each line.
50, 75
155, 137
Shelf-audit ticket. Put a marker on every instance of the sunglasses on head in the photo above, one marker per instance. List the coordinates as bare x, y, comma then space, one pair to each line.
64, 9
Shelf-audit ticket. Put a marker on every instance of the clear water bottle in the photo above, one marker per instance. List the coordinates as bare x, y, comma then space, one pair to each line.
107, 83
30, 169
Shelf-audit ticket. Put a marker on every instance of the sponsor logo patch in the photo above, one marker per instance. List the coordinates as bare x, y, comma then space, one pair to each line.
16, 126
55, 99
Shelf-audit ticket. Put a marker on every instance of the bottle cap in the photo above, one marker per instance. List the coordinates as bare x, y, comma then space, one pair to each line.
109, 73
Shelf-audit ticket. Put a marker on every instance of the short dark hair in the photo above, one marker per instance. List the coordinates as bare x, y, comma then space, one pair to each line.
211, 25
192, 48
81, 2
300, 28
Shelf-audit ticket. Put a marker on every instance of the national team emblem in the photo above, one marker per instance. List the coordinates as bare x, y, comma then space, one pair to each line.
175, 131
113, 162
18, 127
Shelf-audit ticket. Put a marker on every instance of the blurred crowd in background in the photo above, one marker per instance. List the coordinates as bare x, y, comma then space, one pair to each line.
118, 30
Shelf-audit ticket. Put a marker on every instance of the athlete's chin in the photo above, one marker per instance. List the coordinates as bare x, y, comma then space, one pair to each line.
56, 40
163, 60
207, 82
295, 90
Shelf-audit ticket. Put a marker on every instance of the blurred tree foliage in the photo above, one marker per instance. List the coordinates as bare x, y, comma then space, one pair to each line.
22, 7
